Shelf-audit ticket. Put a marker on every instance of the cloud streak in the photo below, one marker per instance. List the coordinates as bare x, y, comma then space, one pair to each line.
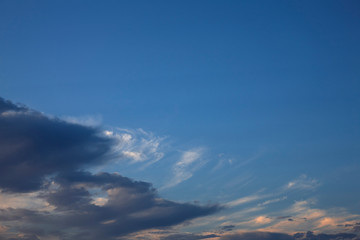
302, 183
138, 146
184, 169
244, 200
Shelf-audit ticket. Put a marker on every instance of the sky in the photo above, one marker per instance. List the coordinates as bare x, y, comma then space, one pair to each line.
179, 120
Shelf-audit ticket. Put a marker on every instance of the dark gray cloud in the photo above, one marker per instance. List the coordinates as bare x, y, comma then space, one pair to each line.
227, 228
50, 156
33, 146
258, 236
130, 208
188, 236
322, 236
24, 237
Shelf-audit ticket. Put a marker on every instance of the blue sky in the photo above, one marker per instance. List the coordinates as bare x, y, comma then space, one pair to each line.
249, 105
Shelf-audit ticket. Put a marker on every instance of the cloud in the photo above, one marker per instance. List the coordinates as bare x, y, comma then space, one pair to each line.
183, 169
33, 146
255, 222
245, 235
137, 145
322, 236
44, 159
22, 200
302, 183
262, 220
355, 227
275, 200
48, 192
188, 236
244, 200
130, 206
258, 235
302, 216
227, 227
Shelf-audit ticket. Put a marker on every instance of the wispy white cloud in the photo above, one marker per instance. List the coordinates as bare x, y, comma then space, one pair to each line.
253, 209
243, 200
275, 200
302, 183
223, 161
189, 162
136, 145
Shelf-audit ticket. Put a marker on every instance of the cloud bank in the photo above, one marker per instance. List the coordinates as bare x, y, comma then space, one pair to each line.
282, 236
47, 158
47, 191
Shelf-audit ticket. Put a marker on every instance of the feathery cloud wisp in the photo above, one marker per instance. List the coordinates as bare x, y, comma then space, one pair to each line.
183, 169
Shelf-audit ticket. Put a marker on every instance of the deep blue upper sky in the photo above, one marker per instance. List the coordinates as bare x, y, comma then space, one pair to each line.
274, 81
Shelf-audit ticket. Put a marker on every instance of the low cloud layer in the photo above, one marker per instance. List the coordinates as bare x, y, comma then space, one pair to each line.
47, 191
282, 236
47, 158
189, 236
